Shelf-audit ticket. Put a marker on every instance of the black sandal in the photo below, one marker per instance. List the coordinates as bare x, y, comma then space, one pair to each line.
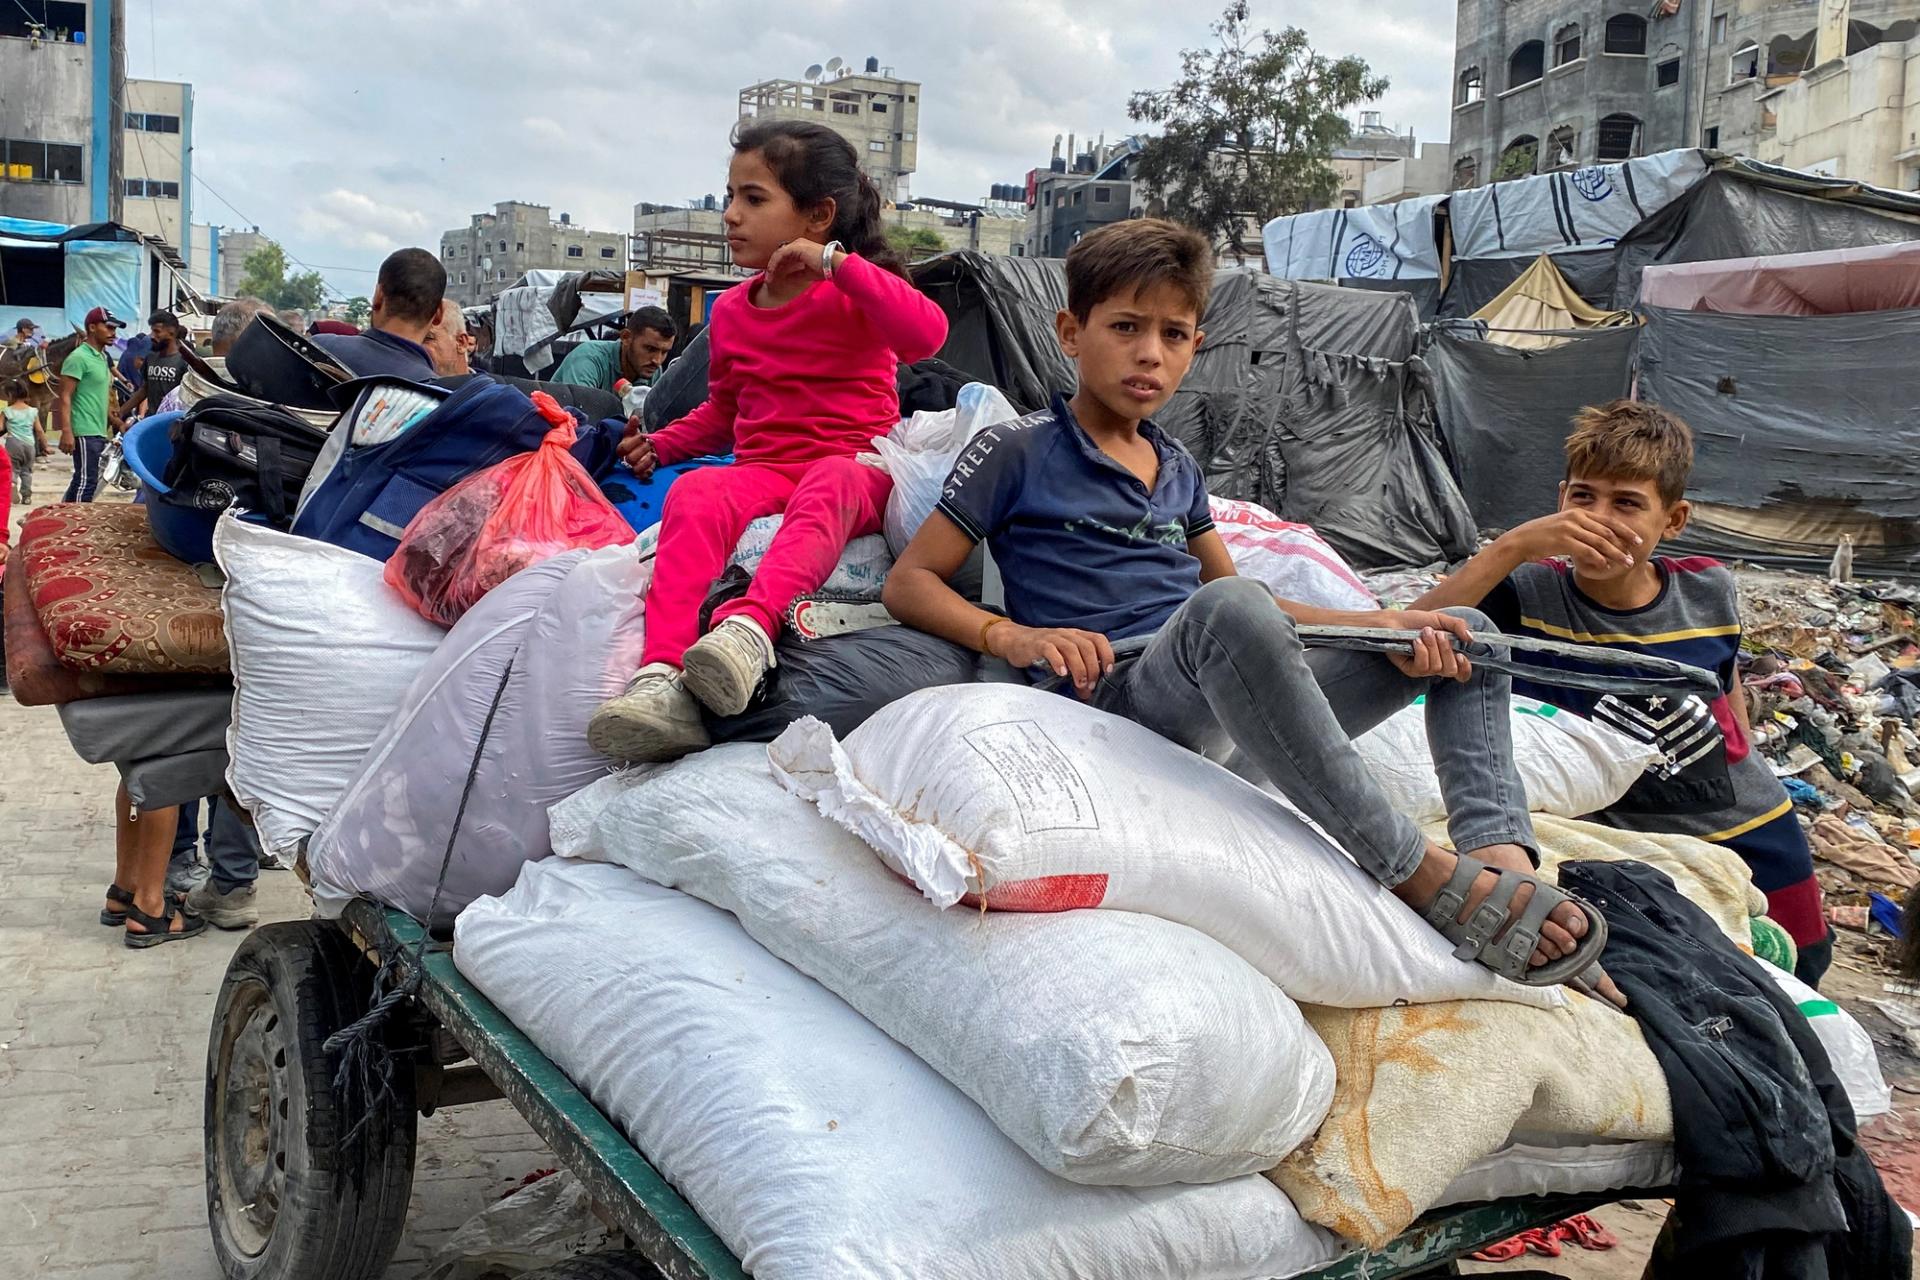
161, 930
111, 918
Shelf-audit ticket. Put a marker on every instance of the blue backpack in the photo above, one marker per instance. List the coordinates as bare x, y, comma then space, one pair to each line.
364, 496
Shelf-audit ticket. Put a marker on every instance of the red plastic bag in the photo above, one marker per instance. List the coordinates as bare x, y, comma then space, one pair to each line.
496, 522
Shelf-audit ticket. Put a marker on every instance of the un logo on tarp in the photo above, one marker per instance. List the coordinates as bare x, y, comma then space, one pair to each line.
1592, 182
1368, 257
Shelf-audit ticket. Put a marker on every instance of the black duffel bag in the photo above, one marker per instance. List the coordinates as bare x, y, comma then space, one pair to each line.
231, 451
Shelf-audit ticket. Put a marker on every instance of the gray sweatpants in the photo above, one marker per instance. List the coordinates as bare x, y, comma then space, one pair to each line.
1228, 670
20, 454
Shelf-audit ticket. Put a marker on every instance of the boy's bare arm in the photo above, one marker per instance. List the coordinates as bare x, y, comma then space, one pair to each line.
917, 593
1590, 541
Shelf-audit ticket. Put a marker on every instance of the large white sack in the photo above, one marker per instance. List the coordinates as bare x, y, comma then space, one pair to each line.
1570, 766
571, 627
1114, 1048
920, 452
1043, 804
1849, 1048
861, 570
816, 1147
322, 650
1291, 560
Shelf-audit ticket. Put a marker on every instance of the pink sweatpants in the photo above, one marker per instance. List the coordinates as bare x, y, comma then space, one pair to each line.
827, 503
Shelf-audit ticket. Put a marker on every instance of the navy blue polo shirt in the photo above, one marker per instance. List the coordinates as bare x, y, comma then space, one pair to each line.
1079, 539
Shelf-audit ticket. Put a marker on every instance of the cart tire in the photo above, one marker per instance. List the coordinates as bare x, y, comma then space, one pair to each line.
287, 1197
620, 1264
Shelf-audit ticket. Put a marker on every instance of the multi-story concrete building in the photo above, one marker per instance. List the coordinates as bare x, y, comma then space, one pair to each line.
1856, 117
1548, 84
1404, 177
1758, 49
495, 249
235, 246
1078, 193
872, 109
1371, 147
62, 74
668, 238
156, 185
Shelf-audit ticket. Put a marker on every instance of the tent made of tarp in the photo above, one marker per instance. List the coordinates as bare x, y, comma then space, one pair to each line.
1536, 310
1505, 411
1572, 209
54, 274
1805, 427
1374, 242
1826, 282
1301, 398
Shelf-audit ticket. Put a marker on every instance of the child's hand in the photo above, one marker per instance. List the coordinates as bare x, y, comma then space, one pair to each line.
1433, 652
1085, 655
1594, 543
797, 260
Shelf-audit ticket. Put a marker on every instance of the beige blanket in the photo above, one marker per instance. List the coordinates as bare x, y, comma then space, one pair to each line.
1423, 1091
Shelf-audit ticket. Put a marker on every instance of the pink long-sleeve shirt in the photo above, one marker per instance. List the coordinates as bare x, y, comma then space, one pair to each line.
812, 379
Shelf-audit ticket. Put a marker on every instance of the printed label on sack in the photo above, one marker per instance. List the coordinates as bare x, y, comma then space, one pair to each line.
1047, 789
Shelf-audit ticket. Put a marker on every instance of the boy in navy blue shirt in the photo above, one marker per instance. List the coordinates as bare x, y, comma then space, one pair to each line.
1098, 522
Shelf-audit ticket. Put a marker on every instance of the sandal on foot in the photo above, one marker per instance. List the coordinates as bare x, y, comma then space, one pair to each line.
1493, 936
160, 929
108, 916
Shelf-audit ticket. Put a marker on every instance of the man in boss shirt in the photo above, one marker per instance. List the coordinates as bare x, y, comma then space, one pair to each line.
163, 366
1588, 574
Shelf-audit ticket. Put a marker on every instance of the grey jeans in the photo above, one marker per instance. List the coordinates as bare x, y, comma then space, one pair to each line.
1228, 671
20, 454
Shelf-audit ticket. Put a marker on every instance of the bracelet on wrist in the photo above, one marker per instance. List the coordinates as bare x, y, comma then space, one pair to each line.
985, 627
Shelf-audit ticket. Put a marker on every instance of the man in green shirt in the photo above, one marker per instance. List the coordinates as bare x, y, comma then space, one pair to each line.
636, 355
85, 409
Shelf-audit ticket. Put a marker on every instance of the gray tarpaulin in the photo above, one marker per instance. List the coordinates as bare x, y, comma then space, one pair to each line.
1572, 209
1805, 427
1380, 241
1505, 413
1300, 398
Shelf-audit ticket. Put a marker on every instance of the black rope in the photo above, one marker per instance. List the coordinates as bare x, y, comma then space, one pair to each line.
364, 1078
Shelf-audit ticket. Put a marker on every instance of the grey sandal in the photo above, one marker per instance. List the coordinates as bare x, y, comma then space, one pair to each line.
1494, 937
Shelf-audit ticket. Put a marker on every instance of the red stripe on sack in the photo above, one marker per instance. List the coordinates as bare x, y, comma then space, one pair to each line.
1044, 893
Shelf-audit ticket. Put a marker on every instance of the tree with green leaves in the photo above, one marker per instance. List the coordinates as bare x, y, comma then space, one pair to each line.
913, 242
1249, 128
358, 309
264, 276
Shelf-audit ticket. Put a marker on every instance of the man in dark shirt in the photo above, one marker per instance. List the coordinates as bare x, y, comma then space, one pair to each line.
163, 366
406, 304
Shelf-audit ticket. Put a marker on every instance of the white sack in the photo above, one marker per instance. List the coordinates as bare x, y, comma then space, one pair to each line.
1056, 805
322, 650
816, 1147
1570, 766
1292, 560
571, 626
861, 572
920, 452
1855, 1063
1114, 1048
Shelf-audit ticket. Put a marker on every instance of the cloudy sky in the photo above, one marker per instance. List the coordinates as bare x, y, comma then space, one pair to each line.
348, 128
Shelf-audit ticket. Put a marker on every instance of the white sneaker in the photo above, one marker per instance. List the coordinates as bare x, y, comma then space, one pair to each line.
655, 719
726, 668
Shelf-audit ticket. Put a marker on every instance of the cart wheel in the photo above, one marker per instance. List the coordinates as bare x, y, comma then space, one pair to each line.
287, 1198
620, 1264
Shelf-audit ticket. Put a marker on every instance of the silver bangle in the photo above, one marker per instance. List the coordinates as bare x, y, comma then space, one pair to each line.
826, 258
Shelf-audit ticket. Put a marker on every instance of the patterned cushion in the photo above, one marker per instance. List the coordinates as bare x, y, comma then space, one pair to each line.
110, 600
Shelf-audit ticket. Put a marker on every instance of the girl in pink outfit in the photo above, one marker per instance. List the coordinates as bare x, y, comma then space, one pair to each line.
802, 378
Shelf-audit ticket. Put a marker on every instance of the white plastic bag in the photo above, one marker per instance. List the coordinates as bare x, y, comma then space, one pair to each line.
571, 627
1042, 803
1114, 1048
322, 651
1292, 560
816, 1147
1570, 766
921, 451
861, 572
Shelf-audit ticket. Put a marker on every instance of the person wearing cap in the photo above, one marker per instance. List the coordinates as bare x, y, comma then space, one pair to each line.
164, 366
84, 412
22, 334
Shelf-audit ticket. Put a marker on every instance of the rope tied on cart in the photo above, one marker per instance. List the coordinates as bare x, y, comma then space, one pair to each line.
364, 1076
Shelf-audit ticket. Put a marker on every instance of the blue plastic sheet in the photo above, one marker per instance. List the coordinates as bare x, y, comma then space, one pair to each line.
104, 273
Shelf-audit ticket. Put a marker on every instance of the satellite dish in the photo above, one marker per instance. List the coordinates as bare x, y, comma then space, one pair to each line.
813, 73
834, 65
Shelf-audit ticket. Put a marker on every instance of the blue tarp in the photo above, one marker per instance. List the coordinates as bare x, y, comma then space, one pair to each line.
104, 273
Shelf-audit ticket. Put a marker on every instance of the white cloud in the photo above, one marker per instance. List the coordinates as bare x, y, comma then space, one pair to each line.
356, 220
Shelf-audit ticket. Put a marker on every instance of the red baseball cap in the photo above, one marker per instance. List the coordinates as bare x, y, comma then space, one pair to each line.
100, 315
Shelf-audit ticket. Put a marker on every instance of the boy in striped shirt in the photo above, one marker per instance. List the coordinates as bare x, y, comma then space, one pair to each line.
1588, 574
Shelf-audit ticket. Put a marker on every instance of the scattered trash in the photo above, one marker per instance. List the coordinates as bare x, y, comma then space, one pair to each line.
547, 1218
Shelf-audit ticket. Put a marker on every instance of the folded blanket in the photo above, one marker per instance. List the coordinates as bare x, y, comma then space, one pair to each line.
1422, 1092
110, 600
